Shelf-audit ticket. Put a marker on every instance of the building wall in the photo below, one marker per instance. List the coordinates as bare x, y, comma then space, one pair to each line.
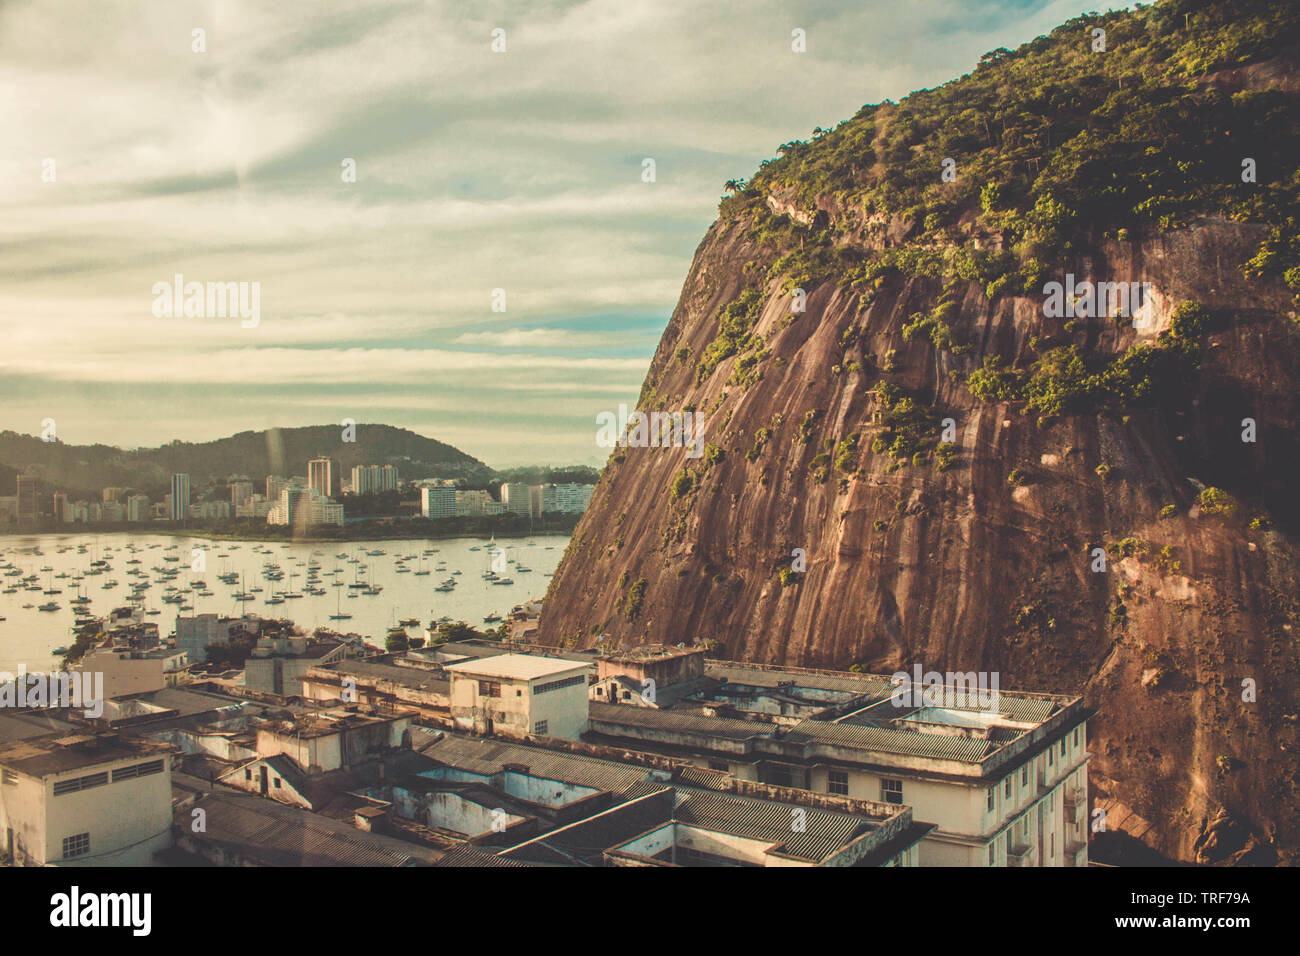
128, 820
967, 828
122, 673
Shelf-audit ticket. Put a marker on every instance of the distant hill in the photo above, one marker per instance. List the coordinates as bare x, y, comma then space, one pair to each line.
276, 451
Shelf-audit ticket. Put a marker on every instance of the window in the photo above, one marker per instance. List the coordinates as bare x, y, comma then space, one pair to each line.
277, 783
1062, 746
1008, 843
560, 684
1006, 788
1049, 756
992, 797
1076, 736
993, 854
1052, 845
719, 765
780, 776
80, 783
519, 692
891, 791
539, 727
489, 688
248, 775
139, 770
78, 845
1024, 776
838, 782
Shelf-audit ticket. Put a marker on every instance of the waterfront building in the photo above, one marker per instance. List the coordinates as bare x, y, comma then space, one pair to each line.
180, 500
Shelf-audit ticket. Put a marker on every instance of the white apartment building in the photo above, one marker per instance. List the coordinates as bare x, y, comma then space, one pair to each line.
137, 508
96, 799
438, 501
520, 695
368, 479
302, 507
1005, 787
515, 498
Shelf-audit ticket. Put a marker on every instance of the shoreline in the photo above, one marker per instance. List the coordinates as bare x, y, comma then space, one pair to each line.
384, 532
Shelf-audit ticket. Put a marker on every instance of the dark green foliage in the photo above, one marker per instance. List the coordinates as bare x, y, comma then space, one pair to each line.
1051, 139
735, 333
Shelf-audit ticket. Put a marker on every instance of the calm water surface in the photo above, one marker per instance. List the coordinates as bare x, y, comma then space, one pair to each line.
28, 636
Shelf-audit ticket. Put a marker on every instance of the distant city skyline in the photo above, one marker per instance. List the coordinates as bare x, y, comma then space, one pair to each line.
474, 171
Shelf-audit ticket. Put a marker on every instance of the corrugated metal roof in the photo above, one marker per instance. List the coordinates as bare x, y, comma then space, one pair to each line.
737, 673
651, 719
263, 829
1026, 709
484, 755
892, 740
811, 835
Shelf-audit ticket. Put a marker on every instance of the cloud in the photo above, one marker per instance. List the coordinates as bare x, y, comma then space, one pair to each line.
475, 171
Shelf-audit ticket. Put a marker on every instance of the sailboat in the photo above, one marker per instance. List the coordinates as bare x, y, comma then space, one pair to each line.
338, 615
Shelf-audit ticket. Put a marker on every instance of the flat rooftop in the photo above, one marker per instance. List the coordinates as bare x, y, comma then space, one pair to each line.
517, 667
418, 678
59, 753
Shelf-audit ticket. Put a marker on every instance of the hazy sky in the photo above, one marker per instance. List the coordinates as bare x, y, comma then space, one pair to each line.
475, 171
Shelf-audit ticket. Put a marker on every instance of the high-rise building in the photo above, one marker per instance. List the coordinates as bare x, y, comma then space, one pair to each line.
61, 506
323, 476
368, 479
180, 497
438, 501
302, 507
240, 492
514, 495
137, 508
274, 485
472, 503
28, 507
113, 494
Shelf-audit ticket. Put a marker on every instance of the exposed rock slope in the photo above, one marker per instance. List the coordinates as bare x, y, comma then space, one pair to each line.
825, 433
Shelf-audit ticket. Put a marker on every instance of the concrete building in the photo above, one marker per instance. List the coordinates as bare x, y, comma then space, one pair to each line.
61, 513
369, 479
323, 477
1005, 787
209, 510
28, 504
383, 681
137, 508
278, 663
520, 695
515, 498
196, 632
304, 507
85, 799
180, 500
438, 502
240, 491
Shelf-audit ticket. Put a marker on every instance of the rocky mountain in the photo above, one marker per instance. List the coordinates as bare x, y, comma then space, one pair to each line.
920, 450
282, 451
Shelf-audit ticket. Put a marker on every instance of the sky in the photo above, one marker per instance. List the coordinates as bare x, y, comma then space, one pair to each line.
129, 157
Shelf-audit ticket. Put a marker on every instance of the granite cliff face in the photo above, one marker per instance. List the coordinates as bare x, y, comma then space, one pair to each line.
826, 525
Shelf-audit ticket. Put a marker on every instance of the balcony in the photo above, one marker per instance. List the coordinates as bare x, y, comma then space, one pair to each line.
1076, 853
1022, 854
